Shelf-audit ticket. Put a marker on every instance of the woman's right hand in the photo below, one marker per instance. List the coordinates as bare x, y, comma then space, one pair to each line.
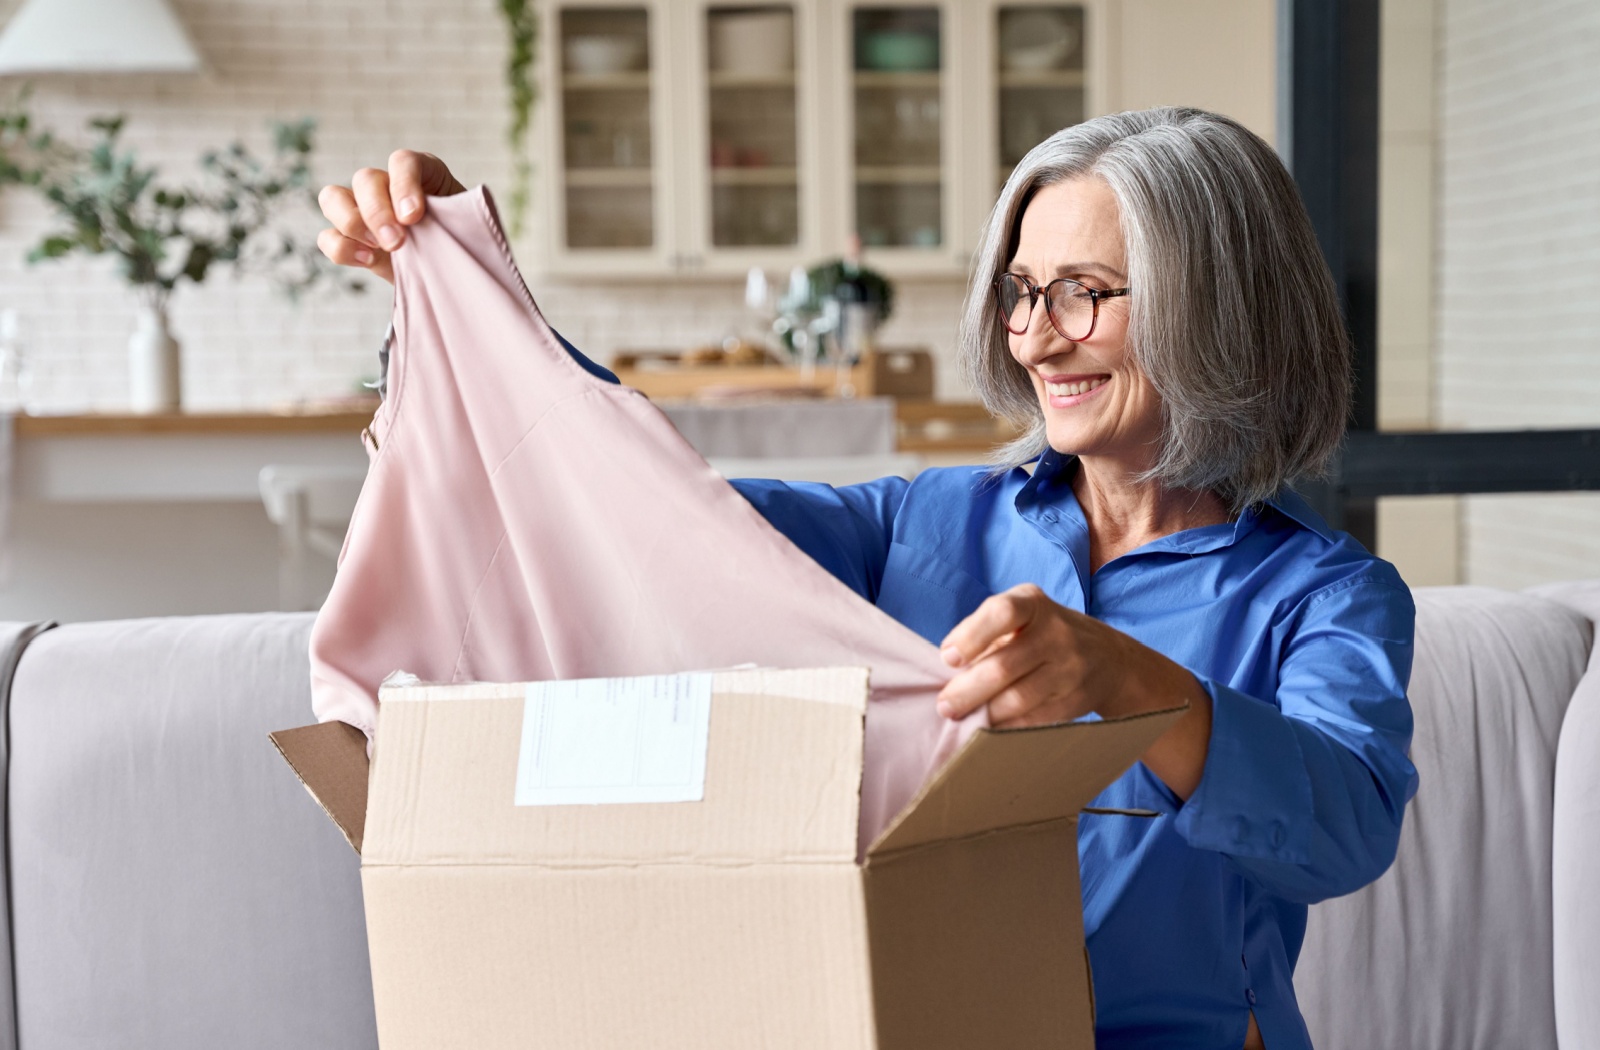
370, 215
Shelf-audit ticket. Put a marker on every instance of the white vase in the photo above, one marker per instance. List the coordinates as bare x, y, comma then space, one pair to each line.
153, 364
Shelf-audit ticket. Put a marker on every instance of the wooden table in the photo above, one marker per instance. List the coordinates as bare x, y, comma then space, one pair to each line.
95, 424
186, 457
178, 457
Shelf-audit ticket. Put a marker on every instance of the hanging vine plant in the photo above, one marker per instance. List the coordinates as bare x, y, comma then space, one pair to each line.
522, 22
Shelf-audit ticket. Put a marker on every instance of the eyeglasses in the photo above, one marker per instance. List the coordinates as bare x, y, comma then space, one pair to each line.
1073, 308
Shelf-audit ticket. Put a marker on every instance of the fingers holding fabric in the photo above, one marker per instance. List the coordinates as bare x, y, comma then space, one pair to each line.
1024, 657
371, 188
338, 206
348, 251
370, 216
1036, 699
413, 177
988, 678
999, 616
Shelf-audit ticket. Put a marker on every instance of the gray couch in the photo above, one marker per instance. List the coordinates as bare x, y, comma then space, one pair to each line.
170, 887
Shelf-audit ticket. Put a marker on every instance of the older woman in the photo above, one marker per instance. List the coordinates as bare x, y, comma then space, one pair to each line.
1151, 308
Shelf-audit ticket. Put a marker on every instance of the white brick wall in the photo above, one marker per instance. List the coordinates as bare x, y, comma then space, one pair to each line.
400, 75
1518, 271
377, 74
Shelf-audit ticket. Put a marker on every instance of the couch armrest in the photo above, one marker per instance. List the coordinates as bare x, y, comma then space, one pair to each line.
1576, 853
1452, 946
14, 640
172, 887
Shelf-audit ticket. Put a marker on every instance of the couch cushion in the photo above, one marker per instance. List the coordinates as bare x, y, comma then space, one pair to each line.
173, 886
1451, 948
1576, 879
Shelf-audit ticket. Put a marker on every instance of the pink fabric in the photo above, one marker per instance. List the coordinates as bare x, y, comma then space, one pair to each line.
524, 520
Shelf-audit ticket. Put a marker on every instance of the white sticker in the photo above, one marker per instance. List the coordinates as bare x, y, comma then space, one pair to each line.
615, 740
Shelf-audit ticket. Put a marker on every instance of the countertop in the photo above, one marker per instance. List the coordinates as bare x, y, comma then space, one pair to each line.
101, 424
926, 427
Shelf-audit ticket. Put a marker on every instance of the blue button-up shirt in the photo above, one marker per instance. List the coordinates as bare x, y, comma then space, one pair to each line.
1303, 641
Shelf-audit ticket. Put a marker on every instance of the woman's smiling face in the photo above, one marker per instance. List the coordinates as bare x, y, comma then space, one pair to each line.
1096, 401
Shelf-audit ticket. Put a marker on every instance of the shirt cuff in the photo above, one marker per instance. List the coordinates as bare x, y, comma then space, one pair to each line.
1254, 798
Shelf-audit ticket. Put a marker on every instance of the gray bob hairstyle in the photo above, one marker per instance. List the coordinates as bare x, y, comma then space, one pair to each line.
1234, 317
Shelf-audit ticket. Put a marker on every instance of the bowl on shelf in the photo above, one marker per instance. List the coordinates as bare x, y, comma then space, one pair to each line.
1039, 59
752, 43
597, 56
899, 51
1036, 41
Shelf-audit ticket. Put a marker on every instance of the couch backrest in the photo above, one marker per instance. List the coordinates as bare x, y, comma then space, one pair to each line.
1452, 947
172, 887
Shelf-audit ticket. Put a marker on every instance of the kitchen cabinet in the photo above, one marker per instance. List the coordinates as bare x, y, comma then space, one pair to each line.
703, 137
609, 147
898, 79
750, 144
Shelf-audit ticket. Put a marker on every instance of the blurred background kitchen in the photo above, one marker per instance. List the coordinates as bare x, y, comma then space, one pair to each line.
760, 214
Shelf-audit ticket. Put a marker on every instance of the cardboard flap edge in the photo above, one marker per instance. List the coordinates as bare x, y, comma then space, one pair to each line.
973, 770
330, 760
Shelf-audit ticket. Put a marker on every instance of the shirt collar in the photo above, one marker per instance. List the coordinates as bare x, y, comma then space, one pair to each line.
1293, 506
1051, 487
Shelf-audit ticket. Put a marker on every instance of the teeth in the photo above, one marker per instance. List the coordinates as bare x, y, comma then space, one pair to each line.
1071, 389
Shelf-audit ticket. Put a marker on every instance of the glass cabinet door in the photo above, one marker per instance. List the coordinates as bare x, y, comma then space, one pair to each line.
896, 69
1039, 66
607, 145
754, 126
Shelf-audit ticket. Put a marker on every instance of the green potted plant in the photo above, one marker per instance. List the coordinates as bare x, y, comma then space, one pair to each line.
161, 235
839, 299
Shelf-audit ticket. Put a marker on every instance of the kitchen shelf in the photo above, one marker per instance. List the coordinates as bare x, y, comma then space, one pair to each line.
721, 81
606, 81
915, 81
1048, 78
608, 178
754, 177
909, 175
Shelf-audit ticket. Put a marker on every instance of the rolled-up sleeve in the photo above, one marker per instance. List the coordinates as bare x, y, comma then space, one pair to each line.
847, 530
1304, 791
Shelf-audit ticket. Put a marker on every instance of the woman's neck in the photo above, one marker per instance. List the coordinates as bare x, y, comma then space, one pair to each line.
1124, 513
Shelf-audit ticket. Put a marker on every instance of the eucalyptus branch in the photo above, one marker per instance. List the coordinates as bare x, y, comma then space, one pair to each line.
522, 22
110, 204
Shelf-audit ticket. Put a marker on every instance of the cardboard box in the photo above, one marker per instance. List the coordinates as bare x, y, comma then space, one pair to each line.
744, 919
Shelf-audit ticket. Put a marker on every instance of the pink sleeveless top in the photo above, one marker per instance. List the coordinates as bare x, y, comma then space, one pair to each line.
524, 520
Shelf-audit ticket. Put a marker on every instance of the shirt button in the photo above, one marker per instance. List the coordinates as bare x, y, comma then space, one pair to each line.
1250, 996
1279, 835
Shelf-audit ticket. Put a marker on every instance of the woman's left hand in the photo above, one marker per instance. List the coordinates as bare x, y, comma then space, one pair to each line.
1034, 662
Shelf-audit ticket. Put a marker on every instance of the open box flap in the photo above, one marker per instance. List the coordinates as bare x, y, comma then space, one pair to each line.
330, 759
782, 782
1013, 777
